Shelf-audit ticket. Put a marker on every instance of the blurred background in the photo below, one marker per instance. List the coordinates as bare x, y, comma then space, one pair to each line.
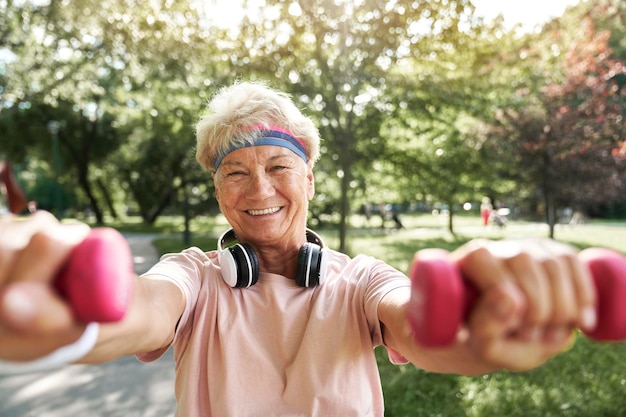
424, 104
427, 110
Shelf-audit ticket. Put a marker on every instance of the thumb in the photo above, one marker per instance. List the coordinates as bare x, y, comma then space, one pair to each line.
498, 314
34, 308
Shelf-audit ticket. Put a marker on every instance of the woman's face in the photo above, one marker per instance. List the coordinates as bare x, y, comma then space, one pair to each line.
263, 191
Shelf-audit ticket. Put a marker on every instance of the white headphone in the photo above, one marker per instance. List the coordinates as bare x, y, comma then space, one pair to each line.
240, 265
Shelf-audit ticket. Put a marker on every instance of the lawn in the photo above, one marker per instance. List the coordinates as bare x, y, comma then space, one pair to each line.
588, 380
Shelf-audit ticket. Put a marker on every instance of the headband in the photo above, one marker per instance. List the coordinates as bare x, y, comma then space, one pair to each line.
274, 136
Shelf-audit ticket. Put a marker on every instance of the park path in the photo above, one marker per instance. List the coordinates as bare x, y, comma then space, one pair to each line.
121, 388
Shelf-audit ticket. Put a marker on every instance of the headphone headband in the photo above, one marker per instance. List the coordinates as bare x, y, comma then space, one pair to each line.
229, 238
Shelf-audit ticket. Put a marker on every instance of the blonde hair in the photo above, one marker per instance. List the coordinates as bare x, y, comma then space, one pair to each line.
238, 113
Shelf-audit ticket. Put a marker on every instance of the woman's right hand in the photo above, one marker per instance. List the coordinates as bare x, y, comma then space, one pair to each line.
34, 319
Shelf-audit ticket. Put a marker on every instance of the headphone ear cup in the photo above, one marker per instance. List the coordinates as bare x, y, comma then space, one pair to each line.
311, 266
240, 266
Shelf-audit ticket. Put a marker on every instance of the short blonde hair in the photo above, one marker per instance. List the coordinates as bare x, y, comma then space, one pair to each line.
238, 113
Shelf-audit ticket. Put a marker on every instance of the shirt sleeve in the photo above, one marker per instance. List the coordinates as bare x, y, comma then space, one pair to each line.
383, 279
185, 270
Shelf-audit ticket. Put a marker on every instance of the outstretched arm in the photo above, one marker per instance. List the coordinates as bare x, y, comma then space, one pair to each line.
35, 320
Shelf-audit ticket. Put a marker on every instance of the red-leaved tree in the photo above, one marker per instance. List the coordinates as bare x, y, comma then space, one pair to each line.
568, 141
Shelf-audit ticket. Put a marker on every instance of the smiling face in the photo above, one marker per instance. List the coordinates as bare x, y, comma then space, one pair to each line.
263, 191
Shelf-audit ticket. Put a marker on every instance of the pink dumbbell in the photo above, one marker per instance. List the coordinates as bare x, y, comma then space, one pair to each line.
441, 300
97, 279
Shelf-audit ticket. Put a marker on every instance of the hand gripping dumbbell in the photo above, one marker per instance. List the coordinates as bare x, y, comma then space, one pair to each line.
97, 279
441, 300
97, 283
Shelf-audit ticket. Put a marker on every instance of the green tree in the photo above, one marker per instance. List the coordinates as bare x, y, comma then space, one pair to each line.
338, 60
71, 139
144, 65
440, 157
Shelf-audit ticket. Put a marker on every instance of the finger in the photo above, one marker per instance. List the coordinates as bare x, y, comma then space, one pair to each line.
573, 288
520, 355
494, 320
478, 264
563, 300
557, 286
499, 312
15, 235
46, 253
34, 321
489, 274
507, 342
558, 336
531, 280
586, 295
20, 230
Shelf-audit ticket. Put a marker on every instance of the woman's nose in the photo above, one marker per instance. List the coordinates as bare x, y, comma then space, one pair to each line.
260, 185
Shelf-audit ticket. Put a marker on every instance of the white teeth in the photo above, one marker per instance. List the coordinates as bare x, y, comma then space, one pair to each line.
264, 211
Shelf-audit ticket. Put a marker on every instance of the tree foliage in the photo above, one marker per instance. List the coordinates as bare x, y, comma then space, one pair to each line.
136, 70
416, 101
565, 129
357, 66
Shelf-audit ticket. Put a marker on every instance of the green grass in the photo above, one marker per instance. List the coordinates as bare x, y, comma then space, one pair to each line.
588, 380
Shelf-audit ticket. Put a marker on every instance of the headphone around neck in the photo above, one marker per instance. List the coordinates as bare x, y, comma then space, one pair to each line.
240, 265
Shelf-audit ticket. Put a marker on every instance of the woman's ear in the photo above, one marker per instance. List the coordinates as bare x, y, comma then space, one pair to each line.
311, 178
215, 186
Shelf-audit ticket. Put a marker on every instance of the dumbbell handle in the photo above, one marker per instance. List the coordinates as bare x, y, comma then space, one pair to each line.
97, 279
441, 300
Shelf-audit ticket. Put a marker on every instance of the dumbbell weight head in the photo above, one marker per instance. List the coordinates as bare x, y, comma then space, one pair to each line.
608, 270
438, 298
97, 279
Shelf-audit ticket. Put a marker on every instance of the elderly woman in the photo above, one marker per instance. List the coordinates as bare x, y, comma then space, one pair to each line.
272, 322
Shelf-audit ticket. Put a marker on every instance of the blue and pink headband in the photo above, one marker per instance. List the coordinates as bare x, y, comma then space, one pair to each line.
274, 136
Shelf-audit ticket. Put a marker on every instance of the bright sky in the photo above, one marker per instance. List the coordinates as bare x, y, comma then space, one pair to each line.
529, 13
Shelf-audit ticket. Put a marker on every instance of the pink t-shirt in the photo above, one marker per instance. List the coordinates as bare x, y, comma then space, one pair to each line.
277, 349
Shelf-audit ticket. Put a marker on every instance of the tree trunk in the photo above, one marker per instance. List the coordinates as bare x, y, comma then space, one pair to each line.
187, 215
347, 143
450, 219
343, 216
550, 211
107, 198
93, 201
151, 214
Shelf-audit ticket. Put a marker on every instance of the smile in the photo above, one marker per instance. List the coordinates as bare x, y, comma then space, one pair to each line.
270, 210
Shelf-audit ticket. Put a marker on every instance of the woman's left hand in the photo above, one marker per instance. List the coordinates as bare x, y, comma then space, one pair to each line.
533, 295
